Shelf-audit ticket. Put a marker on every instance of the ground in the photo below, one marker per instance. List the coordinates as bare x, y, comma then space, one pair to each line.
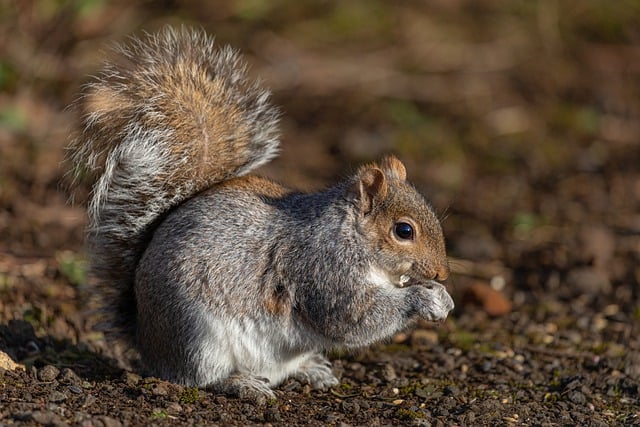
520, 121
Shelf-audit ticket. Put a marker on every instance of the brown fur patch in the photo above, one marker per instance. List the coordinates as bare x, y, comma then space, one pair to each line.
278, 302
257, 185
103, 99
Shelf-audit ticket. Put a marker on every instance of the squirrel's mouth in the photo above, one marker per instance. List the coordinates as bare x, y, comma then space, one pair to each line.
406, 280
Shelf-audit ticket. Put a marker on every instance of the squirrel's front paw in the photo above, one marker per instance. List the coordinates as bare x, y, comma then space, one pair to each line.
435, 302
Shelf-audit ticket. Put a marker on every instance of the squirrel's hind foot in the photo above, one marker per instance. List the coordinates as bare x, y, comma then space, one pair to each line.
248, 387
316, 371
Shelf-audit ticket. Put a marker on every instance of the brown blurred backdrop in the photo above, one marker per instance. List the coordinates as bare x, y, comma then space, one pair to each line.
518, 119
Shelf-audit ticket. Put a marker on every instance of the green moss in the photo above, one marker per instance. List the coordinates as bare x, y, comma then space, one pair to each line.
396, 347
462, 339
600, 348
189, 395
551, 397
615, 391
408, 390
408, 414
159, 414
477, 394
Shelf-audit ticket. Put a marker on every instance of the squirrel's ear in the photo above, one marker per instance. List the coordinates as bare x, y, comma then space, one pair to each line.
370, 185
394, 168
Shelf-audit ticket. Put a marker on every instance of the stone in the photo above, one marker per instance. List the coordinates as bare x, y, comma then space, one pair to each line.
424, 338
68, 376
57, 396
8, 364
48, 373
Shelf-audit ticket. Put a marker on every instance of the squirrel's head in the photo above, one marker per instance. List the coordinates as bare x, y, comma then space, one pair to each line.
401, 229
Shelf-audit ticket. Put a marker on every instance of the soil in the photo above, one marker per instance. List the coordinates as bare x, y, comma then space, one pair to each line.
521, 124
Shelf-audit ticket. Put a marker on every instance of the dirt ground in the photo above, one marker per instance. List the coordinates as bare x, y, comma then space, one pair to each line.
520, 121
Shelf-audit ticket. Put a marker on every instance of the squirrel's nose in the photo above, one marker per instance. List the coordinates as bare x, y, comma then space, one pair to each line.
442, 273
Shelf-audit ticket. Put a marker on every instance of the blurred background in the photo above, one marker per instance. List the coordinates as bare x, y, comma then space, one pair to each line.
519, 120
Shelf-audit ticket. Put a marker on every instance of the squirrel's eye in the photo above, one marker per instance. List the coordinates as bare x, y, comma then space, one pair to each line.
404, 231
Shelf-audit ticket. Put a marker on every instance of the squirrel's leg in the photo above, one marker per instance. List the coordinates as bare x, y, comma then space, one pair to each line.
316, 370
245, 386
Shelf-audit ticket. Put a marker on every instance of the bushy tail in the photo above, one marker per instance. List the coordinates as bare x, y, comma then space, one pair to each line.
169, 117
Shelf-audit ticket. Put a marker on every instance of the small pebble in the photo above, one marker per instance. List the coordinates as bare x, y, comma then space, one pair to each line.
330, 418
272, 414
68, 376
588, 281
48, 373
174, 408
107, 421
424, 338
486, 366
87, 400
451, 390
75, 389
389, 373
350, 407
132, 379
46, 418
57, 397
160, 389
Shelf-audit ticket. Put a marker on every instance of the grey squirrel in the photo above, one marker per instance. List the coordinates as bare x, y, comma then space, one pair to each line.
224, 280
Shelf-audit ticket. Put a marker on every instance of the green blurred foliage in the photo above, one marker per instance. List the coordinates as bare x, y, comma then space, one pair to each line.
73, 267
13, 119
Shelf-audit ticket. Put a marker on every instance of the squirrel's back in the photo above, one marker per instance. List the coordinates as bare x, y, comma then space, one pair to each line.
171, 116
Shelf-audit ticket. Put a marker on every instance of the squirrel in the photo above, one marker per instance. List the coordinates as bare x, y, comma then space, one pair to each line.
224, 280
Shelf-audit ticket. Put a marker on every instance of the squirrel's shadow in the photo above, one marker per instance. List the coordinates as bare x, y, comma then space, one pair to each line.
19, 340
